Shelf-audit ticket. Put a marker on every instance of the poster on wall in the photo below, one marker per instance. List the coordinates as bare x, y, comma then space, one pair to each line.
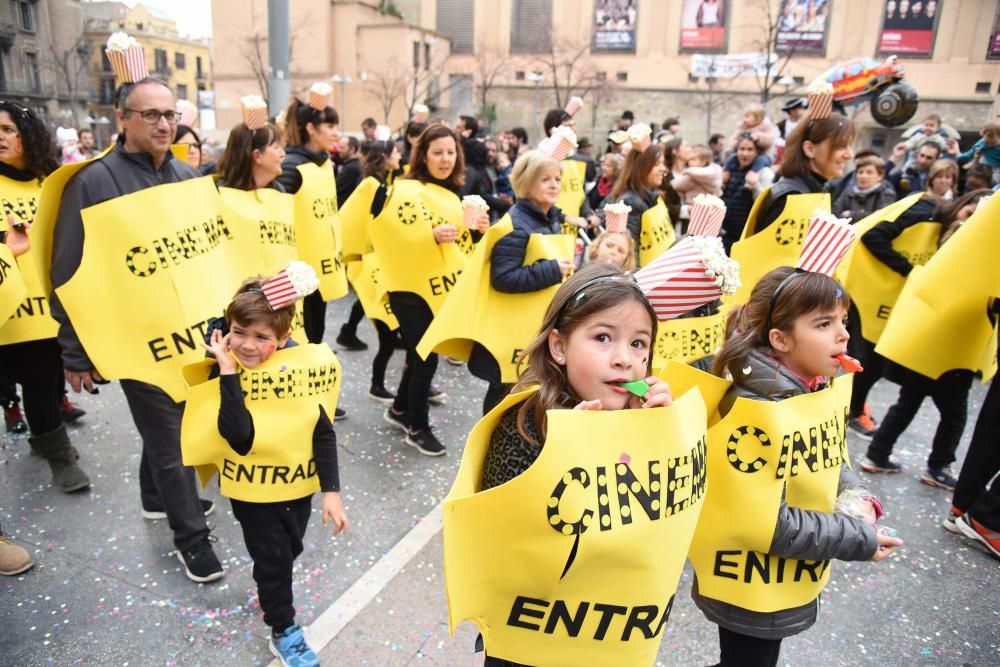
993, 52
614, 25
908, 27
703, 25
802, 28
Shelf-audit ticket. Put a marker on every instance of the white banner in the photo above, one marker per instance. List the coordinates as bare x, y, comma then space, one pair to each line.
731, 65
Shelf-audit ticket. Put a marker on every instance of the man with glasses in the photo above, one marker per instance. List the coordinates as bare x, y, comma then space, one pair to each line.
141, 159
912, 176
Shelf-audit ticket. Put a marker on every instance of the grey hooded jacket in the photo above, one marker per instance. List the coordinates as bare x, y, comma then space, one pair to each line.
799, 533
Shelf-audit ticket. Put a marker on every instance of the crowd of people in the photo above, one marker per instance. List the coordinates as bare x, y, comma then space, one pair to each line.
539, 264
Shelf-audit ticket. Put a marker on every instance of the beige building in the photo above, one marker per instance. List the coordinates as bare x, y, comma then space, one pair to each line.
527, 49
183, 63
42, 59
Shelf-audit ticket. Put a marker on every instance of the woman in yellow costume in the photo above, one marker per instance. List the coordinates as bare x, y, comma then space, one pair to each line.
422, 244
29, 352
253, 156
648, 221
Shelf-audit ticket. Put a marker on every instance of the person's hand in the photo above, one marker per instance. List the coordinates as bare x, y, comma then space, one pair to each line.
566, 267
951, 146
17, 236
755, 137
576, 220
445, 233
658, 395
590, 405
594, 221
218, 347
752, 178
506, 199
482, 223
83, 380
898, 151
886, 546
333, 510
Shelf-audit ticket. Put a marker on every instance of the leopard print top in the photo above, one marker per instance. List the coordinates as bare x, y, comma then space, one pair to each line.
509, 453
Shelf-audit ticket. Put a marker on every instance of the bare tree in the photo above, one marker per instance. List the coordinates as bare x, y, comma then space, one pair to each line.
425, 83
68, 65
767, 44
388, 84
491, 65
569, 69
256, 60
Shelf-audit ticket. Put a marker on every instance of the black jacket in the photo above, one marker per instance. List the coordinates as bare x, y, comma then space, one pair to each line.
116, 174
739, 201
856, 206
290, 177
507, 273
350, 174
794, 185
879, 238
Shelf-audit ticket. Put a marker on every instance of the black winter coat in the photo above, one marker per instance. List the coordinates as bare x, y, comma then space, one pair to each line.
507, 273
290, 177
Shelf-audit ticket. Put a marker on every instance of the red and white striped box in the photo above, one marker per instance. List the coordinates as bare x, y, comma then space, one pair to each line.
319, 95
574, 105
706, 216
254, 111
293, 282
820, 97
677, 281
129, 65
616, 217
827, 241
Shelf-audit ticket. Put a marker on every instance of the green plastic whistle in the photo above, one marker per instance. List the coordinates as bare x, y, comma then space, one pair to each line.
637, 387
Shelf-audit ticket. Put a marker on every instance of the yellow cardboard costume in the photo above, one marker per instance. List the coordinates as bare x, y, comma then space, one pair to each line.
779, 244
283, 396
157, 265
575, 561
12, 287
317, 228
760, 450
502, 323
940, 321
572, 193
403, 238
657, 234
363, 266
687, 339
31, 320
873, 286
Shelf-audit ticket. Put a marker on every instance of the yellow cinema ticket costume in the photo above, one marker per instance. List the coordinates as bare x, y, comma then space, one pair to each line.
12, 287
317, 228
502, 323
576, 560
157, 266
688, 339
363, 266
657, 233
758, 451
779, 244
572, 192
283, 396
935, 327
32, 319
403, 238
873, 286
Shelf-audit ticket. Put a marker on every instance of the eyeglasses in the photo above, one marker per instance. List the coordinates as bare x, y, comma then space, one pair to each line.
152, 116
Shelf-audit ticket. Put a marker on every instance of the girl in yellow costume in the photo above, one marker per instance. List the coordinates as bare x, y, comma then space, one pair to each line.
648, 221
422, 244
29, 352
782, 344
597, 331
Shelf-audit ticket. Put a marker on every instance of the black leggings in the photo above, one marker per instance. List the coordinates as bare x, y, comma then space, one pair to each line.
354, 319
314, 316
485, 367
414, 317
745, 651
872, 362
982, 462
386, 345
37, 367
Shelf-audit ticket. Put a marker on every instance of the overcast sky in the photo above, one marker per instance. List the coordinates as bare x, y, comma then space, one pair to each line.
194, 17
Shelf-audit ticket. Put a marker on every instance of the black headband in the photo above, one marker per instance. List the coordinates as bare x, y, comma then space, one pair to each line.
777, 294
581, 293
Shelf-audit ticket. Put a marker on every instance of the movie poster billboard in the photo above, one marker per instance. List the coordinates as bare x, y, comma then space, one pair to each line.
993, 52
703, 25
614, 25
802, 28
909, 27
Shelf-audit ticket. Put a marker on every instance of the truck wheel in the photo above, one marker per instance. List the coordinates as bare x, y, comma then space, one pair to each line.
895, 104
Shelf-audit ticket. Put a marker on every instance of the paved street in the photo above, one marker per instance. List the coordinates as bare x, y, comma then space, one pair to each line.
107, 591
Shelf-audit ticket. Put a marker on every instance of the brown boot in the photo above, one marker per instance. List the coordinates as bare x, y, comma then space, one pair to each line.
55, 448
13, 558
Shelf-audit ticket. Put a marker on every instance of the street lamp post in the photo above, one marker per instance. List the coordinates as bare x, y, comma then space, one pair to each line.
535, 77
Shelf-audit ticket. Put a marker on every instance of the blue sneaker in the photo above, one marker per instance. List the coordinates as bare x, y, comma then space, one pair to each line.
291, 649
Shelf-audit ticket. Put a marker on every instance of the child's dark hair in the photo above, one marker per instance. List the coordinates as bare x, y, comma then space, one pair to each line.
235, 167
591, 290
249, 306
748, 326
377, 158
299, 114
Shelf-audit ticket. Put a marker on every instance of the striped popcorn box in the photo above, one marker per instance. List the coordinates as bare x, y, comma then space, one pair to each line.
826, 243
473, 208
128, 63
694, 272
319, 95
560, 143
574, 105
293, 282
707, 214
820, 96
254, 111
188, 111
420, 113
616, 217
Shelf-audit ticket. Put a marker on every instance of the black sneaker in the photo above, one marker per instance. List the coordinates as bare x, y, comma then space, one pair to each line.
339, 414
400, 420
350, 341
873, 466
425, 442
200, 563
436, 396
381, 394
942, 478
156, 513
